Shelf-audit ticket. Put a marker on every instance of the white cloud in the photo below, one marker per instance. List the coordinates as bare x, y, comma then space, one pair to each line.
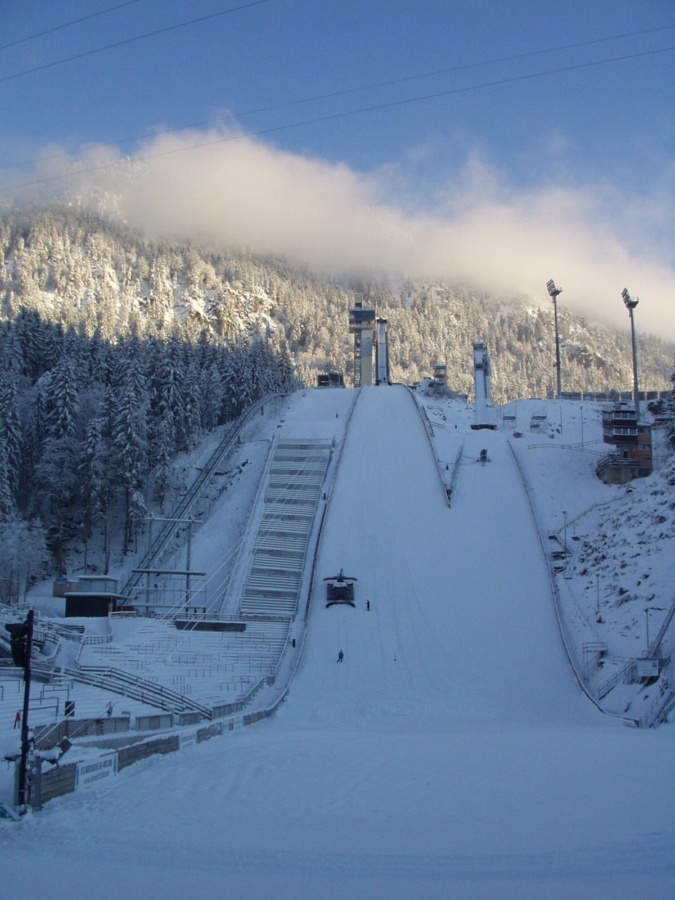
482, 232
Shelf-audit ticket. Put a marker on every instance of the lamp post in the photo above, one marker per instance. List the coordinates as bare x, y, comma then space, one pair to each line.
598, 615
647, 611
630, 306
553, 294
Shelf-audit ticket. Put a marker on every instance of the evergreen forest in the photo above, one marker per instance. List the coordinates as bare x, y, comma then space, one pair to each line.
117, 353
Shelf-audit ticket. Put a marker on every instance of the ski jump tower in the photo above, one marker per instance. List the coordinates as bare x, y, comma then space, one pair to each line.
382, 353
484, 411
362, 326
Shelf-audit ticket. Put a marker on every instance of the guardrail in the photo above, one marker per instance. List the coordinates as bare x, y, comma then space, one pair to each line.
428, 430
621, 674
663, 703
566, 640
234, 587
653, 651
120, 682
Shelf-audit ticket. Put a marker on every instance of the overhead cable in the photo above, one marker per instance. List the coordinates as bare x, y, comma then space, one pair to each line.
353, 112
132, 40
39, 34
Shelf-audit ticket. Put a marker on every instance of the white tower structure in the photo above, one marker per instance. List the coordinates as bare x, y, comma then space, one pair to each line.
484, 411
381, 352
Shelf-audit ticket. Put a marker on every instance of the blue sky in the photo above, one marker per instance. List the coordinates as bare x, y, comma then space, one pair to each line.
434, 124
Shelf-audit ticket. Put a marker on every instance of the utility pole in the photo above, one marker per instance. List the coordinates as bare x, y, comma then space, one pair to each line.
647, 611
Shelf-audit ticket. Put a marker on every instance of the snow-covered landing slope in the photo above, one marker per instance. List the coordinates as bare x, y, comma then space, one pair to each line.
451, 754
461, 623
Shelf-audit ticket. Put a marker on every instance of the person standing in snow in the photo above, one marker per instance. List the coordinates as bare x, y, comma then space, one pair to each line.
341, 656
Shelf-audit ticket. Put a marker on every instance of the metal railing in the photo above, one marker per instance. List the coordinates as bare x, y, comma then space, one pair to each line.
120, 682
428, 430
186, 503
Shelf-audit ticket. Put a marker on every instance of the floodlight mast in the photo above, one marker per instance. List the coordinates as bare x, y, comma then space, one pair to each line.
630, 306
553, 292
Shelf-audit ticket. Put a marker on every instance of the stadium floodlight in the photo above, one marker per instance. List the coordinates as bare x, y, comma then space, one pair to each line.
553, 292
628, 300
630, 306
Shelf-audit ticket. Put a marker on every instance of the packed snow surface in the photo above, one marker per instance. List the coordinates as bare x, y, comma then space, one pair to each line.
451, 753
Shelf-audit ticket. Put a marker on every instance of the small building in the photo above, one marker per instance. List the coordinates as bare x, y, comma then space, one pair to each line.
92, 604
439, 385
330, 380
93, 595
633, 441
538, 422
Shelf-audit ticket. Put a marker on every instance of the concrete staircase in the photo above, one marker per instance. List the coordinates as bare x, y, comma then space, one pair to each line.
291, 497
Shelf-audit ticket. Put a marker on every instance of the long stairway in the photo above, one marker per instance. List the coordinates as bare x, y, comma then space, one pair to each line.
291, 498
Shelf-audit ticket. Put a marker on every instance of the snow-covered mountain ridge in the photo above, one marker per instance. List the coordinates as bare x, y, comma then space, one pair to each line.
78, 268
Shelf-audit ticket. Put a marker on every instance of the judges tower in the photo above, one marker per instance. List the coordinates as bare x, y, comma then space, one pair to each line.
362, 326
484, 411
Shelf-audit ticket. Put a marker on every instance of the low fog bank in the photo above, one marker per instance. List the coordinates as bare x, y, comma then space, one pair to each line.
481, 233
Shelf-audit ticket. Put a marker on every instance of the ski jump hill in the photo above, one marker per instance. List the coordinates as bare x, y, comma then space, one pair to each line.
450, 753
461, 616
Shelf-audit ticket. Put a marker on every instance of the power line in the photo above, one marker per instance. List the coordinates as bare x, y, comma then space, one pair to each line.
39, 34
342, 115
394, 81
131, 40
459, 68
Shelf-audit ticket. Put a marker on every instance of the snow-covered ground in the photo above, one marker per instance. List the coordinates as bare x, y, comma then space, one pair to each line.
452, 752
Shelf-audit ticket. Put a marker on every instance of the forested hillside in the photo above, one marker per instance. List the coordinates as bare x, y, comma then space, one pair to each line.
117, 353
89, 429
78, 269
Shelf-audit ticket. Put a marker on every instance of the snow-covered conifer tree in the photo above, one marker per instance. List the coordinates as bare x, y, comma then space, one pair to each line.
210, 396
191, 402
93, 484
6, 495
161, 461
10, 428
670, 406
129, 462
62, 400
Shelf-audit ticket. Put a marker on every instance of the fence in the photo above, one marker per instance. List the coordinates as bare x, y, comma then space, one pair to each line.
47, 784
